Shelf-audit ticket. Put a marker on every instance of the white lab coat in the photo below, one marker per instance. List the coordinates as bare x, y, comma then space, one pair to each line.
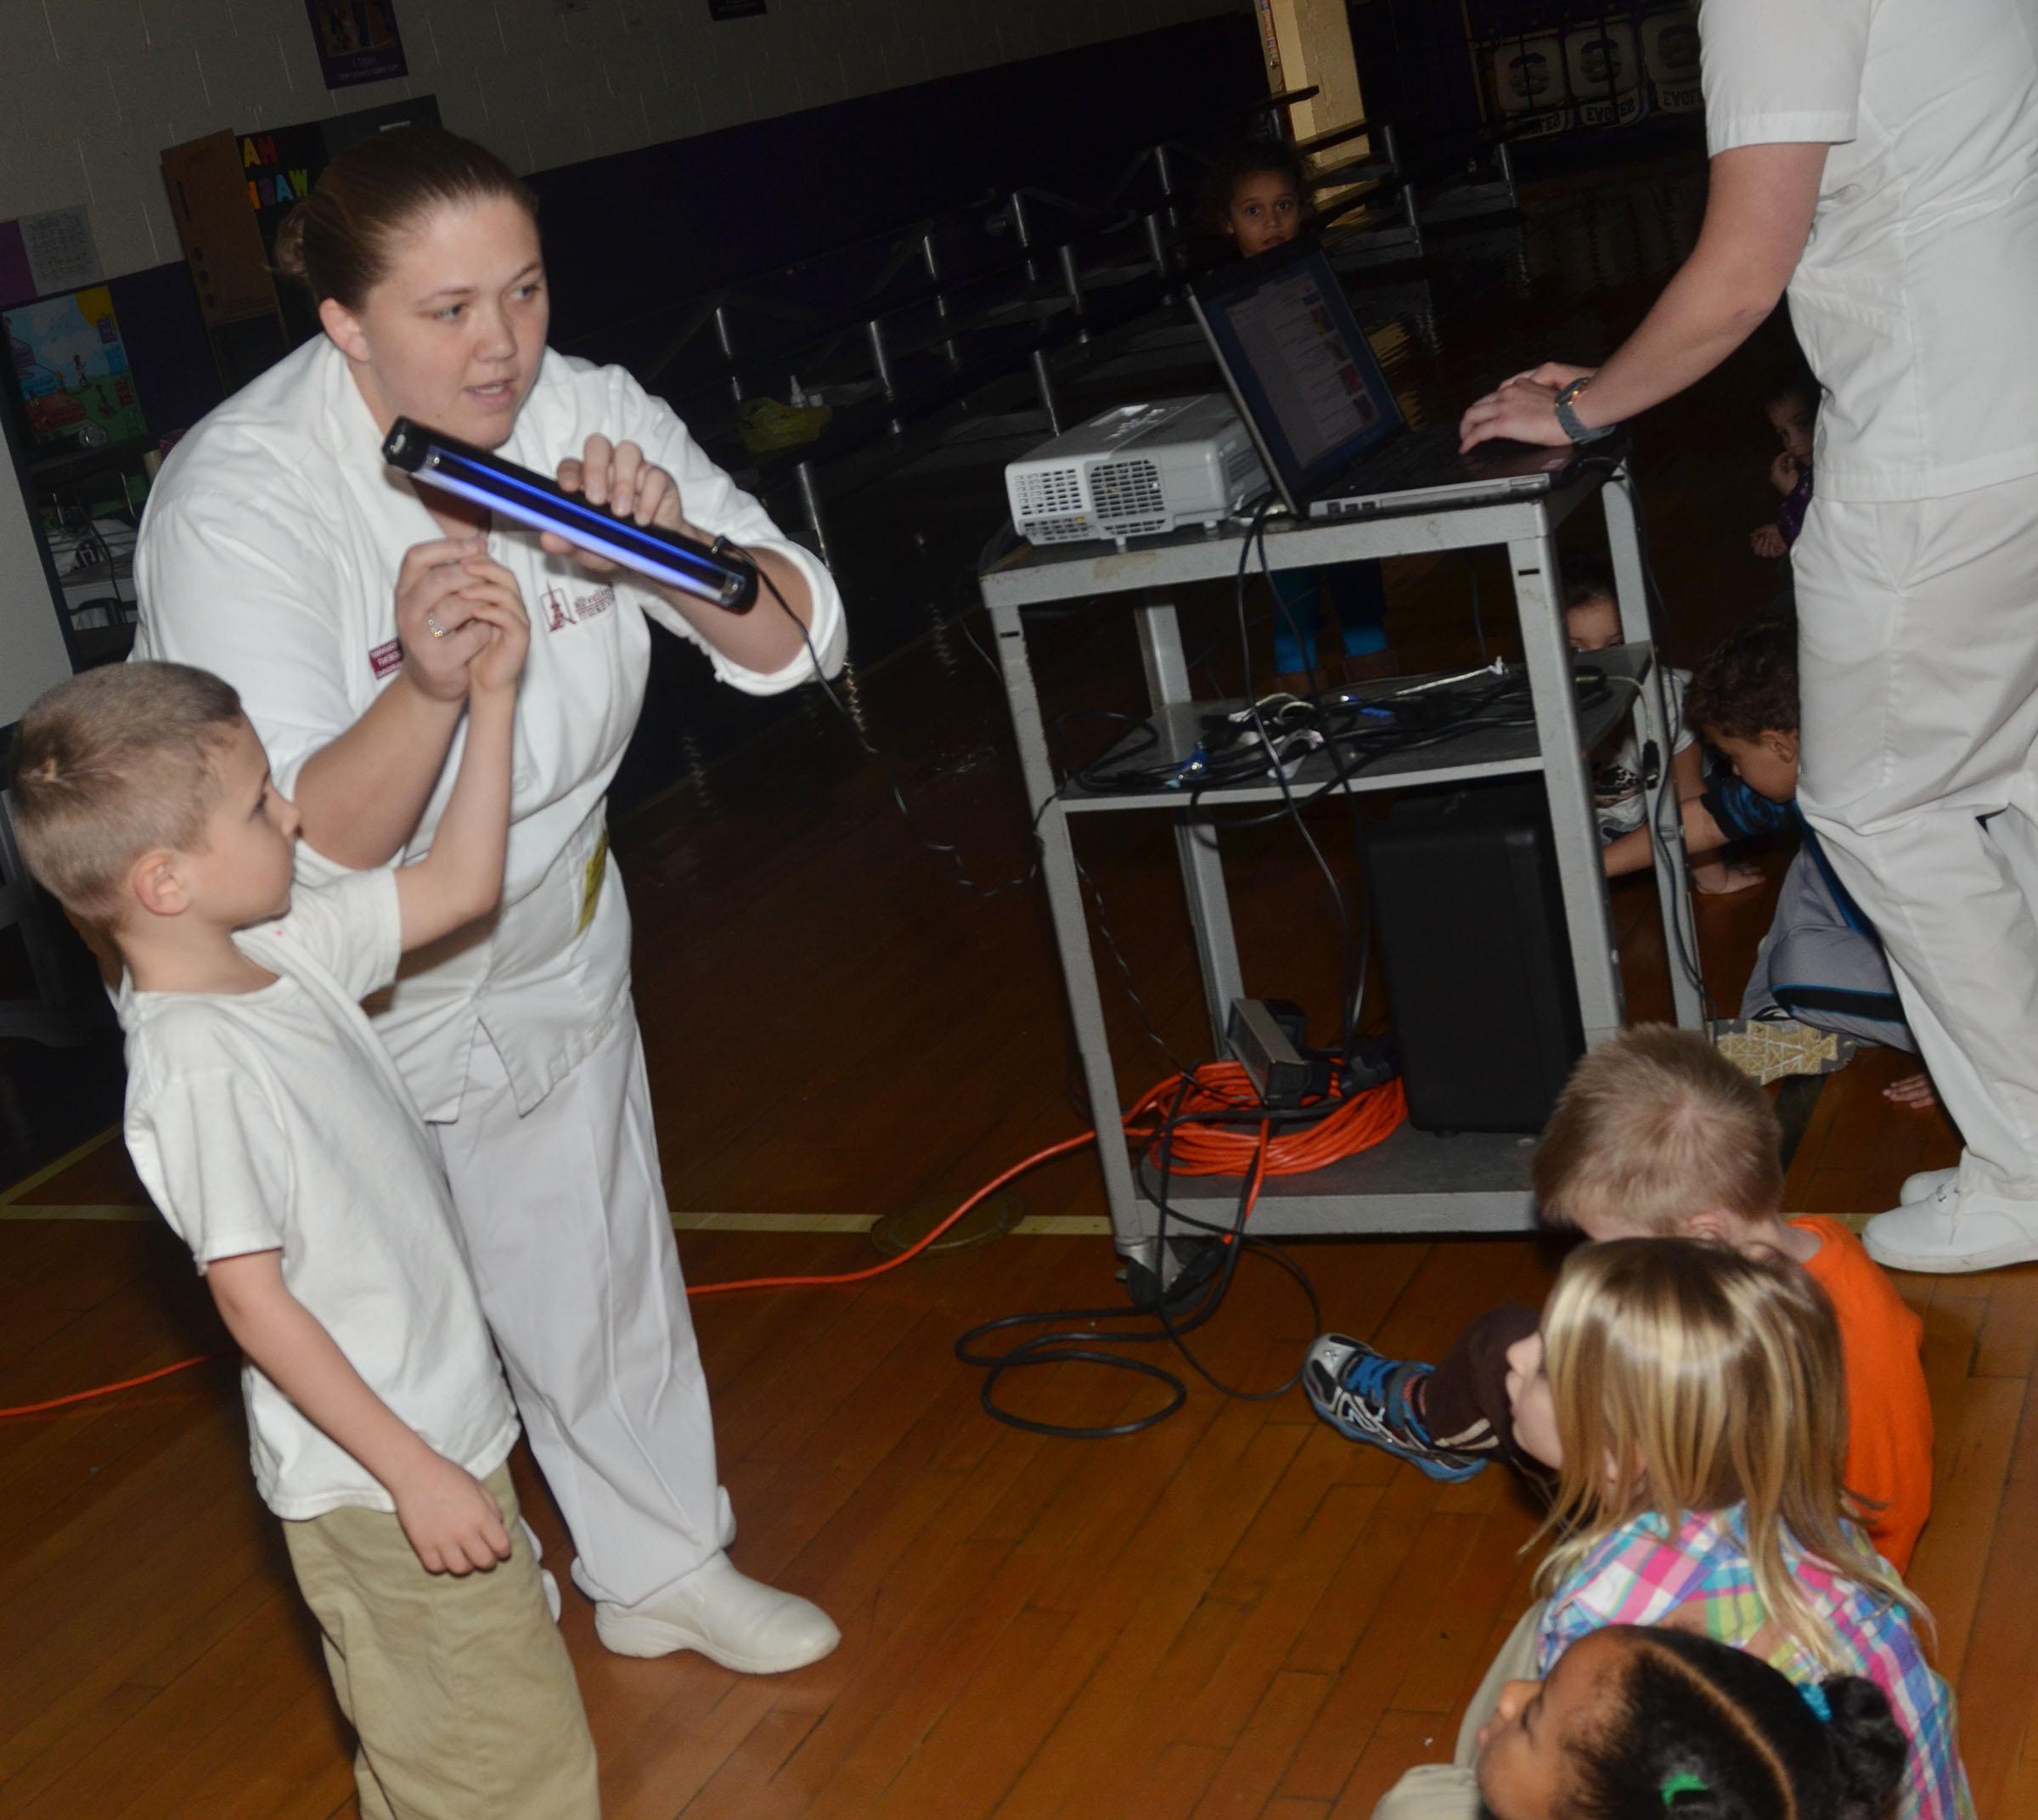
1912, 298
269, 553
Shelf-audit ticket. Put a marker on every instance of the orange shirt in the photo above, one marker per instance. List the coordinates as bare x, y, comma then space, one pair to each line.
1889, 1409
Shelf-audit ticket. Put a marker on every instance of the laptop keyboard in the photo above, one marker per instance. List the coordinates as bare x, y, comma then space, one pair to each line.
1373, 471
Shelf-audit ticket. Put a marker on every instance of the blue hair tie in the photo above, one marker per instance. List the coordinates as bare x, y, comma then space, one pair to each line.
1814, 1697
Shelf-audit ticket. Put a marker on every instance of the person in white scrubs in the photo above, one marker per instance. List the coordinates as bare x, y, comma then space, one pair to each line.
1880, 158
279, 551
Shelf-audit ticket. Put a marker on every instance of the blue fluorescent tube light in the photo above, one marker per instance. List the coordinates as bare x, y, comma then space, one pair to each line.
728, 580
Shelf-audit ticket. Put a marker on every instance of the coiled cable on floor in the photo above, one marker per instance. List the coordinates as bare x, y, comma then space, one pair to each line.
1205, 1123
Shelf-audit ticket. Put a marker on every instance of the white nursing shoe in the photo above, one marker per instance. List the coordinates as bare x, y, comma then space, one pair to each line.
1924, 1185
1949, 1232
726, 1616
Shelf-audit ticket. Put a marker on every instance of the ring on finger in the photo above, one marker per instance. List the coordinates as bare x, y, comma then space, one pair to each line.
432, 626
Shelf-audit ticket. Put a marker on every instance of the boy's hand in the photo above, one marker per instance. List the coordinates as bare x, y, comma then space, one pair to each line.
429, 588
491, 598
1784, 473
450, 1517
1767, 541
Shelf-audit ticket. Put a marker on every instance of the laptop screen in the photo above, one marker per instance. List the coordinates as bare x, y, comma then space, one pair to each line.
1299, 365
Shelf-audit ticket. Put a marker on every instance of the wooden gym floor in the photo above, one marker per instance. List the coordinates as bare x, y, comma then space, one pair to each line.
1233, 1613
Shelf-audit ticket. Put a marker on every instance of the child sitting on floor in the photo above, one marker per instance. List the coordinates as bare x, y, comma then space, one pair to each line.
1620, 793
1791, 405
1647, 1724
1820, 986
1696, 1399
271, 1129
1658, 1135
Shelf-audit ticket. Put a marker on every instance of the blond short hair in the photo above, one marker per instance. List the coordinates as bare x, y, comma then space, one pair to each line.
1653, 1127
1721, 1378
110, 764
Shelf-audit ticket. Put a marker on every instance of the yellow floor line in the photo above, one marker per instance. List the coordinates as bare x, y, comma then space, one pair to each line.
62, 1163
1036, 1225
774, 1222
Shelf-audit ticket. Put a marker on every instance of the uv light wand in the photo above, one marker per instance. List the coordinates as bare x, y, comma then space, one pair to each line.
728, 581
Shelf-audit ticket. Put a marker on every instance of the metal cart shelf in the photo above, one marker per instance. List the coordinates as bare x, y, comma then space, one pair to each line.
1414, 1182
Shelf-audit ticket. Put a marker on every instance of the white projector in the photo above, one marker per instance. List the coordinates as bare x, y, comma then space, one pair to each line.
1137, 469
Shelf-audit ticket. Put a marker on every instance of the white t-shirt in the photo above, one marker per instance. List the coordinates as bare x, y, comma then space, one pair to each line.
274, 1120
1620, 798
1914, 297
268, 554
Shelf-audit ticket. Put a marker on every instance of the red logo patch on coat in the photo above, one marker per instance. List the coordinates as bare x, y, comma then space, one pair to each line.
560, 612
383, 659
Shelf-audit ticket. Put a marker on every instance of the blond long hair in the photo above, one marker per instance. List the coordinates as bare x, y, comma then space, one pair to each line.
1719, 1378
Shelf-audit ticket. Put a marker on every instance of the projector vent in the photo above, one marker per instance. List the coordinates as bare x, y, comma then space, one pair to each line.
1128, 496
1052, 492
1242, 466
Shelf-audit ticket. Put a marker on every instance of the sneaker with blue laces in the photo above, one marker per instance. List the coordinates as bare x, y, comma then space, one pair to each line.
1364, 1396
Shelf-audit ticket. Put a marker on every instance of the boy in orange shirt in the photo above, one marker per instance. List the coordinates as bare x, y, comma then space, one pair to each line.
1656, 1135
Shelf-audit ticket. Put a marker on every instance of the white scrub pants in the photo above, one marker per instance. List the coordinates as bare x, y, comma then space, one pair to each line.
1918, 663
564, 1215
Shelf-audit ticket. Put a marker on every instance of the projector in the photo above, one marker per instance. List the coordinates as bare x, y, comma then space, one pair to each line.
1137, 469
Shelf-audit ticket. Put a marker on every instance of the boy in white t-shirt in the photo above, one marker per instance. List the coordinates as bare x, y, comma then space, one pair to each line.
271, 1128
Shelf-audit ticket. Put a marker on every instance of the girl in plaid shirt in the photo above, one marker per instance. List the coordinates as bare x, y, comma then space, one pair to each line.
1698, 1401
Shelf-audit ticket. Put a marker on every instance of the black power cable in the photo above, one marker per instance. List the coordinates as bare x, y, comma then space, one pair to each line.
1201, 1299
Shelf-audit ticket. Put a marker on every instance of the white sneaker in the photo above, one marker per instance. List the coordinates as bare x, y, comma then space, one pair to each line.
1924, 1185
728, 1617
1949, 1232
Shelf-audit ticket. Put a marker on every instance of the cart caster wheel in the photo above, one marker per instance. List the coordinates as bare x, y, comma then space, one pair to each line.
1185, 1265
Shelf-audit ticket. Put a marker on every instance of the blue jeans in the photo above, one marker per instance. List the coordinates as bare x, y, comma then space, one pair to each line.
1354, 594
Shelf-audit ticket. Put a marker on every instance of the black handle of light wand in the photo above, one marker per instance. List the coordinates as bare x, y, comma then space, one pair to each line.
713, 574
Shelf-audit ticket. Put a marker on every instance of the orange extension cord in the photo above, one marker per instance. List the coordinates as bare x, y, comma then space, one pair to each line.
1365, 1119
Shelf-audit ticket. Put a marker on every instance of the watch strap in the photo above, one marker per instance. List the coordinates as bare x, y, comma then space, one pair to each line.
1568, 419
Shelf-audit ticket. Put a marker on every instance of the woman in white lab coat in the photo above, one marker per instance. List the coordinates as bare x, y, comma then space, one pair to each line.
279, 551
1880, 158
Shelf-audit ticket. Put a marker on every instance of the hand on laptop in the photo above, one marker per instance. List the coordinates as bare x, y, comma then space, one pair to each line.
1523, 409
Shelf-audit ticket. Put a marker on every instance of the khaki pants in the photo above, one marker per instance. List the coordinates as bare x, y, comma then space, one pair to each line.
1451, 1791
460, 1689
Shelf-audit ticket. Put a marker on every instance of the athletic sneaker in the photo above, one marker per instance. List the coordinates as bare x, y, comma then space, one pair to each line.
1766, 1049
1364, 1396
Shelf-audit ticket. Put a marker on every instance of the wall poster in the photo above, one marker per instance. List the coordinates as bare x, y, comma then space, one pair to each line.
357, 41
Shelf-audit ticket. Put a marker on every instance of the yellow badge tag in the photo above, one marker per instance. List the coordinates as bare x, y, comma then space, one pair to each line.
596, 870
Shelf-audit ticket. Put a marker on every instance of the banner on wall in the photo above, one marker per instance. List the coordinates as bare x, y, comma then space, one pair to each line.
357, 41
1554, 66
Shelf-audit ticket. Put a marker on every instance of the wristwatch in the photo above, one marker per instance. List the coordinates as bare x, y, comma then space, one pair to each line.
1568, 418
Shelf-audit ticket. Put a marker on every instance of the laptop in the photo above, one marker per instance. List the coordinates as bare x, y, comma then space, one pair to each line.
1326, 423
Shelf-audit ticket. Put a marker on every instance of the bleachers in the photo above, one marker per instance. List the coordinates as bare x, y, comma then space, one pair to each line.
915, 334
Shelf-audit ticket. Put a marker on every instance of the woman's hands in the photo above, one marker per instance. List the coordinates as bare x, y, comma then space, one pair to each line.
617, 474
1522, 409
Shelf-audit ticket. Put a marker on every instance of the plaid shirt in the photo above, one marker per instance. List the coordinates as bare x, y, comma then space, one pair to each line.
1642, 1572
